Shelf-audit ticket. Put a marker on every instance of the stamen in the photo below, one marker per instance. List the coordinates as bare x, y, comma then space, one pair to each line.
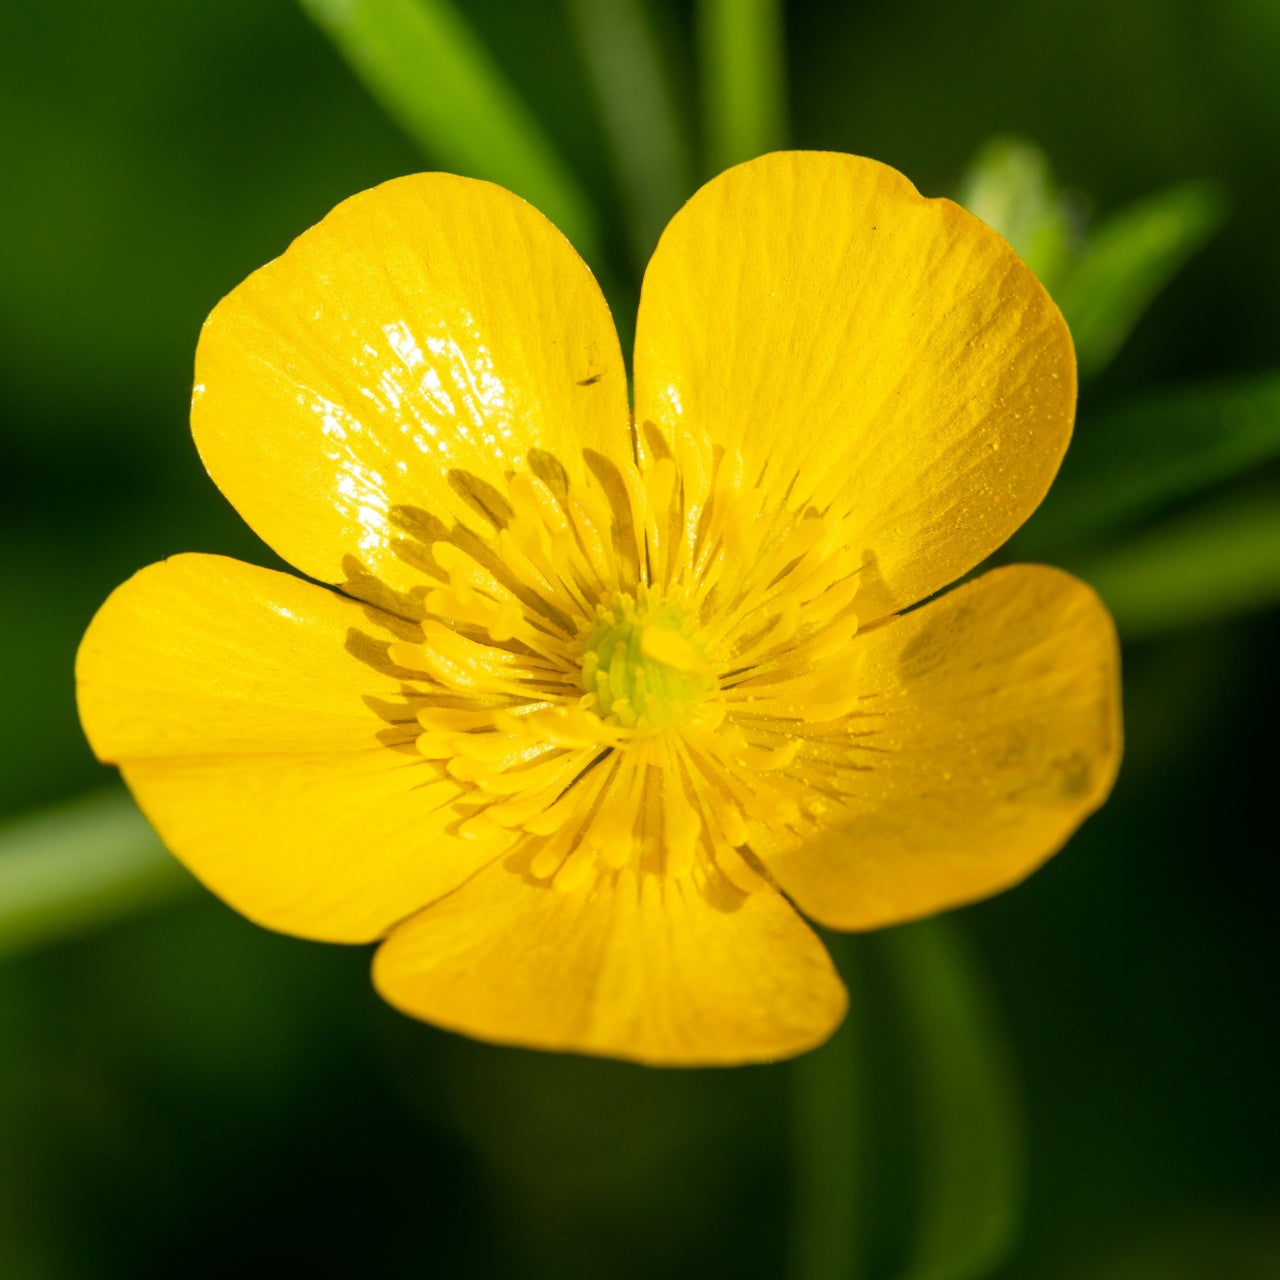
620, 675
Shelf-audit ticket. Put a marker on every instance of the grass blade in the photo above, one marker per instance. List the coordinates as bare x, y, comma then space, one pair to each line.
742, 52
1130, 462
78, 866
426, 66
1130, 257
1214, 561
638, 112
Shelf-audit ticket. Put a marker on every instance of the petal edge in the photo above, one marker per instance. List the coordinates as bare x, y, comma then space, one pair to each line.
989, 730
879, 354
648, 971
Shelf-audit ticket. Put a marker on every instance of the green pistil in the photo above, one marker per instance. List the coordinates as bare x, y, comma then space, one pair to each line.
644, 664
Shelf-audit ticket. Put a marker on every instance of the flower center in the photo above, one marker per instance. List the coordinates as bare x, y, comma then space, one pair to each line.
643, 663
623, 675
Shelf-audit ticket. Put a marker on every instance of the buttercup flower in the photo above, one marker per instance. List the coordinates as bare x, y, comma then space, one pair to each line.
603, 701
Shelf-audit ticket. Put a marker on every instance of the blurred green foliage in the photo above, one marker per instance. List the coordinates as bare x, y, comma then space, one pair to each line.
743, 81
1217, 559
91, 860
1010, 187
642, 120
1125, 263
423, 62
180, 1091
1144, 455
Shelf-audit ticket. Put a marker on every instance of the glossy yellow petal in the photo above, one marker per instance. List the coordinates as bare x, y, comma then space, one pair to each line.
652, 970
263, 732
987, 729
879, 355
386, 372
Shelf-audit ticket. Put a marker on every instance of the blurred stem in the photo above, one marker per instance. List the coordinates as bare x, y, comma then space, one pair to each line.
967, 1100
829, 1232
638, 111
427, 67
79, 865
742, 49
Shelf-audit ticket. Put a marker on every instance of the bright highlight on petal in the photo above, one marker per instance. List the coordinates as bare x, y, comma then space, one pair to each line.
614, 692
430, 327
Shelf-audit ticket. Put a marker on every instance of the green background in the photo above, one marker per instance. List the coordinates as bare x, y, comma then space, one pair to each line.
182, 1093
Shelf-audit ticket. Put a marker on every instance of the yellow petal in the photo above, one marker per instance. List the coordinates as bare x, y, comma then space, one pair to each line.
987, 729
651, 970
882, 356
256, 721
393, 364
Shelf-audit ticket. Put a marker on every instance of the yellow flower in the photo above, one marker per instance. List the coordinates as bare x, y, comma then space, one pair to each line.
600, 696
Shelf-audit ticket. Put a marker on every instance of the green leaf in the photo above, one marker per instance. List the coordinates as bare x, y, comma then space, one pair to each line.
1010, 187
967, 1098
829, 1227
638, 111
80, 865
426, 66
1215, 561
1129, 258
1128, 463
742, 54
